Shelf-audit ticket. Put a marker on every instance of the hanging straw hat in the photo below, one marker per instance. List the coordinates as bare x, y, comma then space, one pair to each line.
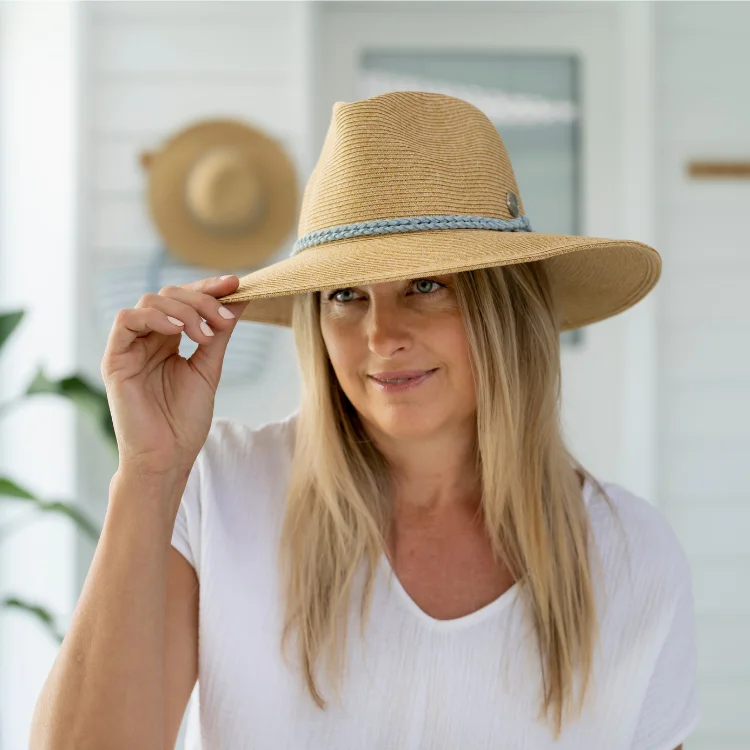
222, 194
411, 184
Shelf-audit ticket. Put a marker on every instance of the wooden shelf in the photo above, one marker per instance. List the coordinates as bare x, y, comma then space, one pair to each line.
719, 169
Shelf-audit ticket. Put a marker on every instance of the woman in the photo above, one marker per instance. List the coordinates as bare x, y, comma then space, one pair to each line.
414, 559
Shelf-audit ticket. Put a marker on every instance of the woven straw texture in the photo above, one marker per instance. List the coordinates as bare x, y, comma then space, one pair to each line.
413, 153
194, 243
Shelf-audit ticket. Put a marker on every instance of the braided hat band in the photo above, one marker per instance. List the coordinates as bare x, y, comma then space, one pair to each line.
409, 224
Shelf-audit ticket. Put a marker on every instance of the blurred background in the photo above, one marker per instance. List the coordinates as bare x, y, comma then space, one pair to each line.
622, 119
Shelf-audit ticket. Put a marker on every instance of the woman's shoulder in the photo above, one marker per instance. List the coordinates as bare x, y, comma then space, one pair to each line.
630, 528
237, 457
231, 441
239, 462
236, 483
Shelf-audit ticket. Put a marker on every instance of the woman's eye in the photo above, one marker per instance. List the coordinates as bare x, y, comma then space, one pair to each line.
335, 295
424, 286
426, 282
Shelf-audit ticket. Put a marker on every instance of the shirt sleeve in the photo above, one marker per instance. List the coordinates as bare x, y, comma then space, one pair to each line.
671, 709
187, 526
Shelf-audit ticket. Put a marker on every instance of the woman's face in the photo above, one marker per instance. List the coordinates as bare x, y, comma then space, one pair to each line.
400, 329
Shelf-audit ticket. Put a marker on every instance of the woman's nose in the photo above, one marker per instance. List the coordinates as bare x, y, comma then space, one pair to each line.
387, 330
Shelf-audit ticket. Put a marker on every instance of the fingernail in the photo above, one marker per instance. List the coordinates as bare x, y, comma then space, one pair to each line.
228, 276
175, 321
206, 329
225, 313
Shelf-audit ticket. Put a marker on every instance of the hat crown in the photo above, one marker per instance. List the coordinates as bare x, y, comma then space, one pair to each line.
222, 190
407, 153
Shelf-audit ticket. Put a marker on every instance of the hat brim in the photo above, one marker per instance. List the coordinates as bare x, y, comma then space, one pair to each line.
593, 278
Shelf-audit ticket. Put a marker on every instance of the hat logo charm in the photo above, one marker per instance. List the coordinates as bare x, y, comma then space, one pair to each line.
512, 202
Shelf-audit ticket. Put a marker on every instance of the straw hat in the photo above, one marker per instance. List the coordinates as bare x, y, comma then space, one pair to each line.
411, 184
222, 194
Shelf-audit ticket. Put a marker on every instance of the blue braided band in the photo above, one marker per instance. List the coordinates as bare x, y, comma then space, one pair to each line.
410, 224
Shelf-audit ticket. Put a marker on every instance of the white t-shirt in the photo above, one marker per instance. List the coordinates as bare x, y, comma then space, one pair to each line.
417, 683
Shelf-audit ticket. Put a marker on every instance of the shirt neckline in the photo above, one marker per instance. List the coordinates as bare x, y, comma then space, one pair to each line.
458, 623
454, 623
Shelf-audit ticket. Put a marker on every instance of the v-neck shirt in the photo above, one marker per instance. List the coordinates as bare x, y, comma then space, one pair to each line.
415, 682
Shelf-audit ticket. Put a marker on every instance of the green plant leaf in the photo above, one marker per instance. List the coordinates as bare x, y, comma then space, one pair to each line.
8, 323
89, 398
35, 610
9, 488
81, 519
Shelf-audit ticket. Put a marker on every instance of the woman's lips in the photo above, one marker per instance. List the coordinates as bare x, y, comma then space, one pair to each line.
412, 382
397, 374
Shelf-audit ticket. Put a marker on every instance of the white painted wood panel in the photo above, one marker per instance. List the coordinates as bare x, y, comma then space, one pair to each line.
707, 411
695, 471
702, 113
136, 106
235, 48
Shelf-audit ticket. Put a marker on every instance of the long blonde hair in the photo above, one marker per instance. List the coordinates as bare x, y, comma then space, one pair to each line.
338, 512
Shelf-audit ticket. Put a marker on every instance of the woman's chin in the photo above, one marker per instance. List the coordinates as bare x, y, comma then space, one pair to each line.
407, 421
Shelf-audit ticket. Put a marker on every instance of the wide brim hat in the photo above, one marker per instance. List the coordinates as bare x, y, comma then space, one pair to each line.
411, 184
222, 194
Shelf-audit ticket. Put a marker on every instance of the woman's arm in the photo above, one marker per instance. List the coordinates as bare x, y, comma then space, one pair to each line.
106, 687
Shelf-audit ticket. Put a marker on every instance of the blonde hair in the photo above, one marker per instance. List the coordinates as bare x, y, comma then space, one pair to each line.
338, 512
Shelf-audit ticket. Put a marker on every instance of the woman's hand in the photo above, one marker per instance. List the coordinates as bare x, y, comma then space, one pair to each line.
162, 404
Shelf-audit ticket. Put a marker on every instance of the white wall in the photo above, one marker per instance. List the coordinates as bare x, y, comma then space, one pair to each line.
38, 250
703, 111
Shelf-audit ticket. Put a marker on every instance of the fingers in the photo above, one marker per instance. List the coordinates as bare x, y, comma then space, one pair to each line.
130, 323
176, 309
214, 285
190, 315
193, 303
